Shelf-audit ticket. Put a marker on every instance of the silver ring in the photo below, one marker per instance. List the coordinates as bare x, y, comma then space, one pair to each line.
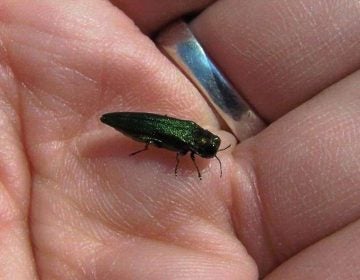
180, 45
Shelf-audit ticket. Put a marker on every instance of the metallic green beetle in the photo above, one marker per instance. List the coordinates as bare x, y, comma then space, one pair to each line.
181, 136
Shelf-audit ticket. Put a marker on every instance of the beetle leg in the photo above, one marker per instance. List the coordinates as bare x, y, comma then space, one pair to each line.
142, 150
192, 155
177, 163
178, 154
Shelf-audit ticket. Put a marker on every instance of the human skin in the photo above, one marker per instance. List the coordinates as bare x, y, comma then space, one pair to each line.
74, 205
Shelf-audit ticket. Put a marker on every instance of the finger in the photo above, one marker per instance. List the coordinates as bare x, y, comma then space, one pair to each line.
151, 14
303, 175
16, 257
281, 53
334, 257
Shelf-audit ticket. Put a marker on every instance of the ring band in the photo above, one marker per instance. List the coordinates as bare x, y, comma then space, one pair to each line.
180, 45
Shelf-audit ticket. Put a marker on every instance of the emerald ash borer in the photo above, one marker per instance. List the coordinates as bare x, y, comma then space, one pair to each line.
181, 136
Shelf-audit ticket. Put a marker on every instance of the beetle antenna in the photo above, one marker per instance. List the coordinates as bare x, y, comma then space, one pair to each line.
223, 149
219, 164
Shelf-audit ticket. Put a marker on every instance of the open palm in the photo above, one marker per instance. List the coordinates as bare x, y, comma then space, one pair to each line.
74, 205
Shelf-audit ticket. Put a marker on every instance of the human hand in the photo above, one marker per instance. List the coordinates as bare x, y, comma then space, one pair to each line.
74, 205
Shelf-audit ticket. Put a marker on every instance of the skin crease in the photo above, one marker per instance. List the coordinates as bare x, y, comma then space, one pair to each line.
73, 205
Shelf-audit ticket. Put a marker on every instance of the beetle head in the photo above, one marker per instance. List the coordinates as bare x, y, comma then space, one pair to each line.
208, 145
